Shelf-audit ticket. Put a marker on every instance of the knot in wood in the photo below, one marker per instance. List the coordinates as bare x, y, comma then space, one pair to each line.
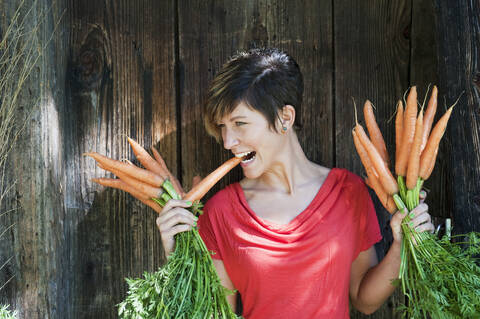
88, 71
476, 80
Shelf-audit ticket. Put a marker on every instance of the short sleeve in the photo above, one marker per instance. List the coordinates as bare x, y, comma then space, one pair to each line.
370, 234
205, 228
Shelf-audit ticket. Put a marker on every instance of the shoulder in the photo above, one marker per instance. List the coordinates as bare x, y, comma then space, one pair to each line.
350, 179
352, 185
222, 199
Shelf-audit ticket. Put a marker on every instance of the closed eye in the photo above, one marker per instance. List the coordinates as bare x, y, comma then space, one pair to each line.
240, 123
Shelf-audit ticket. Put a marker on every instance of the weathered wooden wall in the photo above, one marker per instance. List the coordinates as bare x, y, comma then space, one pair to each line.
141, 68
458, 37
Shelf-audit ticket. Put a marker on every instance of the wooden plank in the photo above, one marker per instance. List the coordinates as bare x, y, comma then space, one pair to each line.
371, 62
121, 83
211, 32
458, 35
35, 171
423, 71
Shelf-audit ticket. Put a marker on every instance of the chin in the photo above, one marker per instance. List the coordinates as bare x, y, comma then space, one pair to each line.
251, 174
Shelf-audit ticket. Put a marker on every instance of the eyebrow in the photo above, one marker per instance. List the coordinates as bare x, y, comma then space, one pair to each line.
237, 117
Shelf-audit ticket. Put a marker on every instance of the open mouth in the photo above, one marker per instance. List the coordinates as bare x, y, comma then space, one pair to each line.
249, 157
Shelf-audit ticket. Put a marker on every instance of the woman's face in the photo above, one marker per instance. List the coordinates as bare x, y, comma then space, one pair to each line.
246, 131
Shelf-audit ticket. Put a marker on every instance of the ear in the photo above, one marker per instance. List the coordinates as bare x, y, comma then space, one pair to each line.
288, 116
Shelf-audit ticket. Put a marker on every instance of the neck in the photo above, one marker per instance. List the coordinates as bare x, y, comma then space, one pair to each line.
291, 169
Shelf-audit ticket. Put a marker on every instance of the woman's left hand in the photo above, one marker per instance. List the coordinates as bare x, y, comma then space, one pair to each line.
420, 220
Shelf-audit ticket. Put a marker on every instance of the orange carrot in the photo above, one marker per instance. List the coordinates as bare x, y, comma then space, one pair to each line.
372, 179
147, 161
429, 171
398, 129
374, 132
147, 189
176, 184
409, 121
362, 153
386, 200
414, 156
197, 192
129, 169
429, 116
428, 153
119, 184
384, 174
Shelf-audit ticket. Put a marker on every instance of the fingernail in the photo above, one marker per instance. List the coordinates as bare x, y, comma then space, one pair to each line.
410, 224
412, 214
196, 218
189, 203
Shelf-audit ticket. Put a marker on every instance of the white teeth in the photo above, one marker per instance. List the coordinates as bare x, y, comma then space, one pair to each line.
249, 160
242, 154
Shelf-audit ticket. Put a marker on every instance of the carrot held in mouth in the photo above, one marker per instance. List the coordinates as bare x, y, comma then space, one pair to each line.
199, 190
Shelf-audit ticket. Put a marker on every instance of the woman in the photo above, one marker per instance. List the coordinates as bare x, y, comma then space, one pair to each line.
293, 237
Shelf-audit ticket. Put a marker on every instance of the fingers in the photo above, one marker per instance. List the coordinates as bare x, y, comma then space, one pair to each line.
420, 219
174, 221
423, 195
399, 216
174, 213
172, 203
396, 224
425, 227
175, 217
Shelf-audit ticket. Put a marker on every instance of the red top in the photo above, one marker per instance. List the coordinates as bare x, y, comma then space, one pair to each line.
300, 269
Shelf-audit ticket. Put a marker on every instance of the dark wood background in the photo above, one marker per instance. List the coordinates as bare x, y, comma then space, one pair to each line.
119, 68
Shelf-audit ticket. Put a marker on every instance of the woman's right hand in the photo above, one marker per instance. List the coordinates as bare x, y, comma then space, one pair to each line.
174, 219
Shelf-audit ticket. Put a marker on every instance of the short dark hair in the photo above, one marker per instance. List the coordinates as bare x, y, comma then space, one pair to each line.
265, 79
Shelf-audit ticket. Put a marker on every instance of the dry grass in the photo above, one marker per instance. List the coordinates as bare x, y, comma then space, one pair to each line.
20, 50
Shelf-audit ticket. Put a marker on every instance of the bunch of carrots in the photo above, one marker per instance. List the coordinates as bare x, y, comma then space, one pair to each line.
187, 286
439, 278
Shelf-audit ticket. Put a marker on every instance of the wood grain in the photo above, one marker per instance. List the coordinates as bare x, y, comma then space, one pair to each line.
121, 83
371, 58
211, 32
459, 77
141, 68
423, 72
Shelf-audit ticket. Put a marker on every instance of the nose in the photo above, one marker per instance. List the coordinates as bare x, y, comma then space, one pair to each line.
230, 139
